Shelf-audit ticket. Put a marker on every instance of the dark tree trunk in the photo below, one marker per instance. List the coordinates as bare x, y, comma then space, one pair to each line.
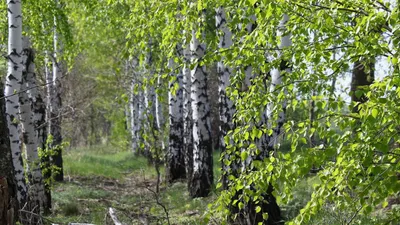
41, 129
57, 160
362, 77
8, 191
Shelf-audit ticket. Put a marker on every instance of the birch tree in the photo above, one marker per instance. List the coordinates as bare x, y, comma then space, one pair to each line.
150, 113
202, 177
175, 156
133, 110
38, 106
187, 114
134, 102
226, 107
55, 106
13, 85
36, 188
363, 75
8, 193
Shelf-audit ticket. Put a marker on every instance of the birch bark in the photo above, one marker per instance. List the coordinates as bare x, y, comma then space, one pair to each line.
202, 177
15, 66
175, 156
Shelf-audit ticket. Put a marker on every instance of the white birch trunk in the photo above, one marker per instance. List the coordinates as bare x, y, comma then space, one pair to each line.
30, 142
36, 186
276, 79
13, 85
38, 106
39, 120
175, 155
133, 116
49, 90
202, 178
159, 116
187, 114
248, 71
134, 106
133, 112
226, 106
150, 102
141, 115
55, 107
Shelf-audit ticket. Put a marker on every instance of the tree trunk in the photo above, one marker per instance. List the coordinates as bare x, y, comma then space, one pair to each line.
175, 156
13, 85
159, 116
133, 117
226, 107
55, 110
269, 142
8, 189
132, 114
43, 131
36, 188
362, 77
150, 103
269, 205
202, 177
135, 108
141, 121
187, 114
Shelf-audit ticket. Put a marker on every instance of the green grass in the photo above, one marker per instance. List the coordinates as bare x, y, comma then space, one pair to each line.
98, 161
100, 177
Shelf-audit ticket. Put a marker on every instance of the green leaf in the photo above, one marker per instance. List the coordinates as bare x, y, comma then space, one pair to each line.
241, 205
374, 112
244, 155
270, 167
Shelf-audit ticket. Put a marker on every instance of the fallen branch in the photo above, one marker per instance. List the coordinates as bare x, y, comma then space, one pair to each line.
114, 217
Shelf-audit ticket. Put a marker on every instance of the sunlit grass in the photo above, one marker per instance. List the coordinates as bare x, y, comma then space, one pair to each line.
97, 161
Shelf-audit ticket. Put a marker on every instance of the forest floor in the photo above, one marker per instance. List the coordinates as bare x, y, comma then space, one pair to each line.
98, 178
101, 177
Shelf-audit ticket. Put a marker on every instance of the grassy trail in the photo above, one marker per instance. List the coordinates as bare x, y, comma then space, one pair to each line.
98, 178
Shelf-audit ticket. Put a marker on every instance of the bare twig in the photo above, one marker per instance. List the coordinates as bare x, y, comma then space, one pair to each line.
156, 195
37, 86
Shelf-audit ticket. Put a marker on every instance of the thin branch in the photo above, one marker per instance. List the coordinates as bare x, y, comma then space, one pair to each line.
37, 86
156, 195
382, 6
